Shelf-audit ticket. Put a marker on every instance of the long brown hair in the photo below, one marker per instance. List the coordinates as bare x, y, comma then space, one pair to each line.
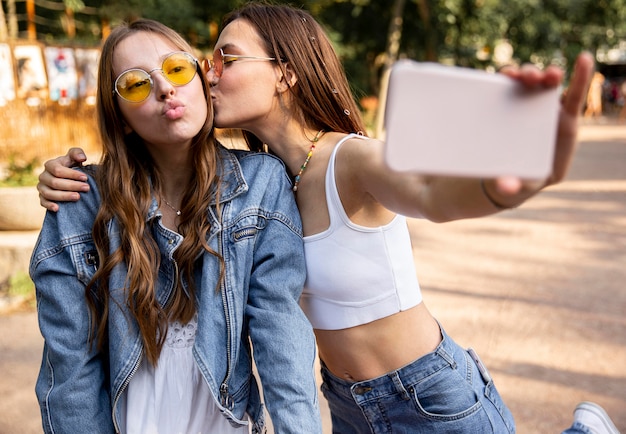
322, 95
127, 179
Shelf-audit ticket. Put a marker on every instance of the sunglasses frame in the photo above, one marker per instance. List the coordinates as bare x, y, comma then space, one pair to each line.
192, 61
213, 64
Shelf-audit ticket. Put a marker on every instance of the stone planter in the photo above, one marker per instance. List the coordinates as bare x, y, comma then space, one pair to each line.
20, 209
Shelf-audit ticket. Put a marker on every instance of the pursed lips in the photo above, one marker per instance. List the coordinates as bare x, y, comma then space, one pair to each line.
173, 110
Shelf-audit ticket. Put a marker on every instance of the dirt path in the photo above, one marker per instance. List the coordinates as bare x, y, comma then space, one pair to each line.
539, 292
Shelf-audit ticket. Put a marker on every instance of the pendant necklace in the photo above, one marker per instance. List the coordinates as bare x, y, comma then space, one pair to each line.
306, 161
177, 211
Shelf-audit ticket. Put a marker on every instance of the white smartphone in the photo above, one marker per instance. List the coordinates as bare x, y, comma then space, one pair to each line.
454, 121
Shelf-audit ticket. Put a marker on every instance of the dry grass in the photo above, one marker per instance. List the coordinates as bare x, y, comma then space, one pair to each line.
46, 131
49, 130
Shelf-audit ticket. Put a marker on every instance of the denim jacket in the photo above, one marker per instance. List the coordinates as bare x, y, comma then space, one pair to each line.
259, 235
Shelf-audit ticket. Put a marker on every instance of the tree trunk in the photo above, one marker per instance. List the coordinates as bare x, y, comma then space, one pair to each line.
13, 29
4, 33
430, 40
30, 12
394, 35
70, 23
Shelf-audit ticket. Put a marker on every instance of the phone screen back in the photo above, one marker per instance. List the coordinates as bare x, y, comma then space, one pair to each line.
455, 121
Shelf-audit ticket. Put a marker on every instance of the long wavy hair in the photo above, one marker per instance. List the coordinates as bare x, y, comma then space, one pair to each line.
128, 179
322, 97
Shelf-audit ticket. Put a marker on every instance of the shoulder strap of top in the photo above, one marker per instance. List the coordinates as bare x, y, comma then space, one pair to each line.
336, 212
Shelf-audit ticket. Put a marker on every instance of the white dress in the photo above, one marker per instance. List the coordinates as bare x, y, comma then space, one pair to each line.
173, 398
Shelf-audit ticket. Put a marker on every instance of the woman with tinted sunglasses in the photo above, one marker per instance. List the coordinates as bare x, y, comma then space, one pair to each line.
387, 364
182, 259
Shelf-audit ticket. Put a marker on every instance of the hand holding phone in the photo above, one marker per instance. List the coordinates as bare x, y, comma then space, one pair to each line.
453, 121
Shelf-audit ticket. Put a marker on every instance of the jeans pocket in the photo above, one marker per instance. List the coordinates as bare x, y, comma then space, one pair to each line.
446, 395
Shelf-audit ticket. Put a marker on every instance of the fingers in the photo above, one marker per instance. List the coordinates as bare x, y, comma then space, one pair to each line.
60, 167
531, 76
579, 84
48, 197
552, 76
508, 185
571, 107
59, 182
74, 158
512, 185
77, 155
53, 189
50, 206
71, 182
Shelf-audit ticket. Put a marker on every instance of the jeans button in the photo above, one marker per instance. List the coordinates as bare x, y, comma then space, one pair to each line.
361, 390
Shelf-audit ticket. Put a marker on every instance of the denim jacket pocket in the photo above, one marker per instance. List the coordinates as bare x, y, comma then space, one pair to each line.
248, 227
86, 260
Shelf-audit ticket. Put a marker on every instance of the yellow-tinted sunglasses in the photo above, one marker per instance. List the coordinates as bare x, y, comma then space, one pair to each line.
135, 85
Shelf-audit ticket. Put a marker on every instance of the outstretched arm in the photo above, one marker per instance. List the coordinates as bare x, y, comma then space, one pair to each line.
59, 182
443, 198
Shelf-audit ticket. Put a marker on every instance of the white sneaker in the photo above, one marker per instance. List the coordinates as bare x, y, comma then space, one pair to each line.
594, 417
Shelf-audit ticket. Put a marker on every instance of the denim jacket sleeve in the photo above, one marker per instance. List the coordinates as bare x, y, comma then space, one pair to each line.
71, 388
282, 337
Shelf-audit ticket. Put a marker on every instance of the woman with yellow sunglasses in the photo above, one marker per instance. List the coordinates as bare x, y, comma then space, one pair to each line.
183, 259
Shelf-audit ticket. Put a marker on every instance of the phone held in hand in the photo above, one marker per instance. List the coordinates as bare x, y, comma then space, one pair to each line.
453, 121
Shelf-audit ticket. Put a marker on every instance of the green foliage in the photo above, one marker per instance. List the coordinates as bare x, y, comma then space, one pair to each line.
20, 173
20, 285
75, 5
457, 31
461, 32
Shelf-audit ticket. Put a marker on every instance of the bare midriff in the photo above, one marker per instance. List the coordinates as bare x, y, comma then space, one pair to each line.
376, 348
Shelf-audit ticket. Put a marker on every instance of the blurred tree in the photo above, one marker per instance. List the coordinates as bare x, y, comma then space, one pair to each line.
460, 32
563, 26
467, 32
12, 19
4, 32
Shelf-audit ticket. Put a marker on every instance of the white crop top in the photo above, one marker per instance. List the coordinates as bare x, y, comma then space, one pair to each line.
357, 274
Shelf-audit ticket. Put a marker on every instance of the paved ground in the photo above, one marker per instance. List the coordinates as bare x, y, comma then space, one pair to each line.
539, 292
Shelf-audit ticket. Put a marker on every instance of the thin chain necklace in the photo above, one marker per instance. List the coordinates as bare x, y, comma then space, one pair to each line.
177, 211
306, 161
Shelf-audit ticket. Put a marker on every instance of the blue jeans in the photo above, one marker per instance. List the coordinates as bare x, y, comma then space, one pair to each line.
441, 392
578, 428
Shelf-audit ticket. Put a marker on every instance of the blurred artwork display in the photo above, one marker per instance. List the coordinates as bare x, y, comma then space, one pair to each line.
87, 70
7, 79
62, 76
32, 83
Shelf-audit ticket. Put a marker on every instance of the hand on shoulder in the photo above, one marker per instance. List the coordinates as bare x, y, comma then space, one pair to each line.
59, 182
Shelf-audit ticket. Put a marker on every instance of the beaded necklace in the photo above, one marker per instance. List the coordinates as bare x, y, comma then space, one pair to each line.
306, 161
